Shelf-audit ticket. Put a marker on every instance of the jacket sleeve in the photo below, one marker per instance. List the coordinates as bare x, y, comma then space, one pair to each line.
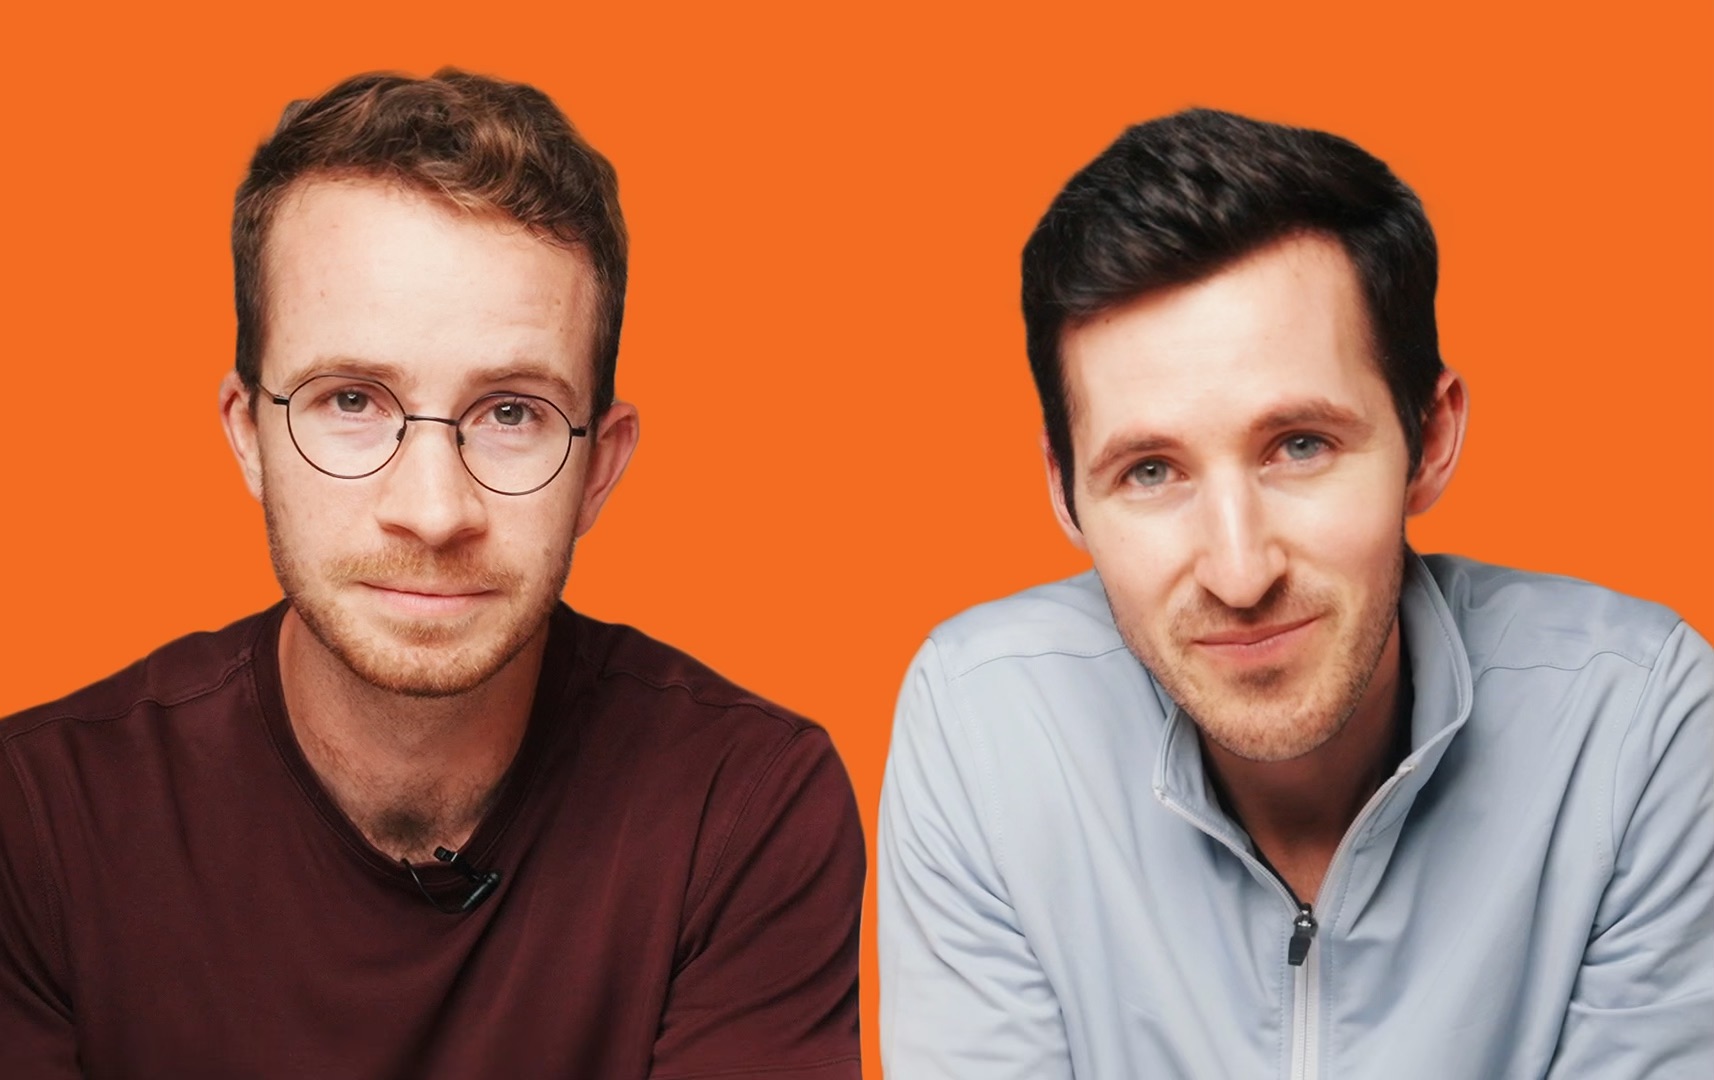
962, 994
1643, 1003
767, 980
35, 1011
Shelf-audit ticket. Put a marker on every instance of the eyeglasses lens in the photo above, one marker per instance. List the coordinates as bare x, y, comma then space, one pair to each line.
346, 427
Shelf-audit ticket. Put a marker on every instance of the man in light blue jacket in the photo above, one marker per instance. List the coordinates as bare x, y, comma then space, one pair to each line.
1266, 793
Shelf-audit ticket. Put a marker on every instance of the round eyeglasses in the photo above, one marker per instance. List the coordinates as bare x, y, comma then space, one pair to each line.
350, 427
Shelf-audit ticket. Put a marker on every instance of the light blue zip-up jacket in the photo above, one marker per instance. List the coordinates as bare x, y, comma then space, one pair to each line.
1530, 894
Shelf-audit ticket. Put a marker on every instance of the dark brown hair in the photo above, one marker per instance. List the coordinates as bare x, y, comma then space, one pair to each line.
479, 143
1175, 200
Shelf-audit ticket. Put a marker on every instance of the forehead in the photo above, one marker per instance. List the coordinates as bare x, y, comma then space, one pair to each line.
1282, 326
369, 272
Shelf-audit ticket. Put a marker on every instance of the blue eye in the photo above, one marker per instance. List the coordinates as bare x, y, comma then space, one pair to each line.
1151, 473
1303, 447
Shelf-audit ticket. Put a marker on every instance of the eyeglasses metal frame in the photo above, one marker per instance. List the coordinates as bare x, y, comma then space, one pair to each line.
399, 436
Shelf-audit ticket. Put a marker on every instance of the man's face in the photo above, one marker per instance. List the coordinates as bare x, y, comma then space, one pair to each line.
1241, 487
417, 578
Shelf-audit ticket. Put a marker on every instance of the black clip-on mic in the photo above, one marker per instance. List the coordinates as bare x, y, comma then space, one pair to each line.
485, 882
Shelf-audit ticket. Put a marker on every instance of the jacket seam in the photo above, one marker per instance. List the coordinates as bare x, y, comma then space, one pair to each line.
1076, 654
1608, 860
987, 788
1590, 659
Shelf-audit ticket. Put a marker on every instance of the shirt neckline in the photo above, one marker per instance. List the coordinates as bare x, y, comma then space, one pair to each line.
549, 722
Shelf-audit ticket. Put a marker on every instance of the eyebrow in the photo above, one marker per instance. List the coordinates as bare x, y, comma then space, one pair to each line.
526, 373
393, 375
1317, 412
1124, 447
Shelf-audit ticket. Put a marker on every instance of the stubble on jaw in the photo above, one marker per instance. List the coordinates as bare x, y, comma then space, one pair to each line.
1257, 715
419, 658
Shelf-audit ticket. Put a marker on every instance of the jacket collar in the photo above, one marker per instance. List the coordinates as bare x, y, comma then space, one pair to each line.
1442, 694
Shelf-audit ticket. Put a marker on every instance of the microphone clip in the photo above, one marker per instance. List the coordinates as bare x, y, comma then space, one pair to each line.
483, 882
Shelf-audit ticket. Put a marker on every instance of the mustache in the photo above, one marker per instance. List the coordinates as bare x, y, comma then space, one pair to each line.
457, 567
1283, 602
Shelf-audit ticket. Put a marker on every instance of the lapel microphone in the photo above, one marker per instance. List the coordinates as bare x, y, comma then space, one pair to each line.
483, 882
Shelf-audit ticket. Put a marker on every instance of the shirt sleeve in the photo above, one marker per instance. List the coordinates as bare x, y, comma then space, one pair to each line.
962, 994
35, 1011
767, 981
1643, 1003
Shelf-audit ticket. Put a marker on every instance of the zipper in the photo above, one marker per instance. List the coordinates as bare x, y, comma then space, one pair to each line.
1305, 1017
1306, 981
1302, 934
1306, 995
1303, 915
1305, 1048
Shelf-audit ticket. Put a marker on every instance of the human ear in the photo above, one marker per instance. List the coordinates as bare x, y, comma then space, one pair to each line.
1442, 442
611, 445
239, 421
1056, 494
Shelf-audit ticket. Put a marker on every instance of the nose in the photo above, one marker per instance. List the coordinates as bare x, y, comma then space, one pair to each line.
426, 490
1239, 557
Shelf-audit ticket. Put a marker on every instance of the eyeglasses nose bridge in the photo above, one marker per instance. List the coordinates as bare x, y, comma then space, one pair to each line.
453, 424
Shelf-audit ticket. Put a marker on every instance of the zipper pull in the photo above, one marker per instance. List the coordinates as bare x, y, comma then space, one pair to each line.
1302, 932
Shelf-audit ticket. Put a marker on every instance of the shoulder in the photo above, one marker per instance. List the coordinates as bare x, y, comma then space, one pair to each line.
1042, 675
626, 664
1065, 619
651, 703
703, 759
1510, 618
176, 674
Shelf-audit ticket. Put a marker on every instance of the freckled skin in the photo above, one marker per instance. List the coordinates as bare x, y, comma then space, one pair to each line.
410, 653
366, 271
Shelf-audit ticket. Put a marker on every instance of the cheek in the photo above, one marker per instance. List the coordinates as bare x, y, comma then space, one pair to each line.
1143, 559
537, 526
1349, 538
309, 511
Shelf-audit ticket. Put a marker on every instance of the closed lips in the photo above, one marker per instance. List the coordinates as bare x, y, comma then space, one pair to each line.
1253, 635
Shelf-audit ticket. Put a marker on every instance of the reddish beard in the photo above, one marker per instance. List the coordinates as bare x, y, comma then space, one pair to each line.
458, 658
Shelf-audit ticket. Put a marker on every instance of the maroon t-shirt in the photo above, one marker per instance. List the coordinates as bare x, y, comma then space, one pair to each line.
682, 871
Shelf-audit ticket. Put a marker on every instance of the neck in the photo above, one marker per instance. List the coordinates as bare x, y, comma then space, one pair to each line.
410, 773
1298, 811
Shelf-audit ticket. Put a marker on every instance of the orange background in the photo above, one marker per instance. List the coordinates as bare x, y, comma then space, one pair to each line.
823, 337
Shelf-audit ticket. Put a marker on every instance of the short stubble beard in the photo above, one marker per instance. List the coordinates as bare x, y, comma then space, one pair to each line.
423, 661
1252, 717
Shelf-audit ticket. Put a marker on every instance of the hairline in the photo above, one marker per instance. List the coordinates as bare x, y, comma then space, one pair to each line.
406, 182
1075, 322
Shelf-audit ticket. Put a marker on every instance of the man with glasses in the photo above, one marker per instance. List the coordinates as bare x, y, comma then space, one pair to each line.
421, 819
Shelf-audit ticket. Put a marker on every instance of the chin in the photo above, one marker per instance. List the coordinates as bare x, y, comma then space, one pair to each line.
421, 658
1284, 736
424, 673
1266, 715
